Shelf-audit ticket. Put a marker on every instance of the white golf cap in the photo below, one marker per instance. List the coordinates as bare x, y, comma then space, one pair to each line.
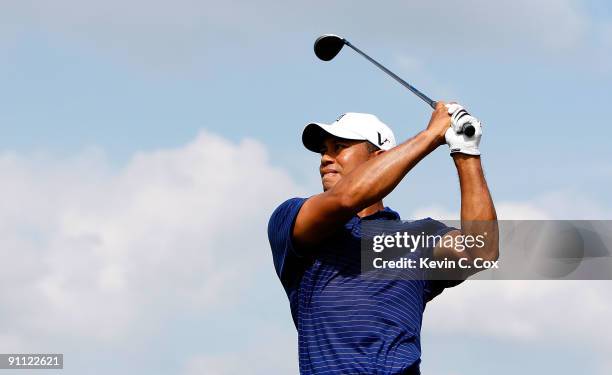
351, 125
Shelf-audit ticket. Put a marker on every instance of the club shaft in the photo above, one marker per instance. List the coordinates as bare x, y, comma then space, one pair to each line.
424, 97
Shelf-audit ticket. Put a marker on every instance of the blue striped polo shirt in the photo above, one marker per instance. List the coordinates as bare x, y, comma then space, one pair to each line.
348, 323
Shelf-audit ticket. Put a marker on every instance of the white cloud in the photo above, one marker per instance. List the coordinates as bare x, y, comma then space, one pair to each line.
98, 255
93, 254
269, 356
527, 311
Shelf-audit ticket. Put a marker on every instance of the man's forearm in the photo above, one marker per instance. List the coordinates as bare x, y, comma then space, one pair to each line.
478, 214
377, 177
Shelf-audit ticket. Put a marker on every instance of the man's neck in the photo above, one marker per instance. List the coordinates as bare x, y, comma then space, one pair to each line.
378, 206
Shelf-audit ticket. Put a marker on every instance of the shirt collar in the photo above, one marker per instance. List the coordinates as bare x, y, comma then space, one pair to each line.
386, 213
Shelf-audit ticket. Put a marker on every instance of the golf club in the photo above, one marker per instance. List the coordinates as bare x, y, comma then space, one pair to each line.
327, 46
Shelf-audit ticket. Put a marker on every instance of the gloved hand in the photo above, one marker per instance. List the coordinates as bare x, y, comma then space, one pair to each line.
455, 138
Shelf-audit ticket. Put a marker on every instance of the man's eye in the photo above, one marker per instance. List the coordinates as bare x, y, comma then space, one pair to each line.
340, 145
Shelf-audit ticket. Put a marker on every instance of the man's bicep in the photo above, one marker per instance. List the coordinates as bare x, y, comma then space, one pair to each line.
452, 247
320, 216
439, 279
444, 248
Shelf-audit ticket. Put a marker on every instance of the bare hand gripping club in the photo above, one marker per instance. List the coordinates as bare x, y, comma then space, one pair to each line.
327, 46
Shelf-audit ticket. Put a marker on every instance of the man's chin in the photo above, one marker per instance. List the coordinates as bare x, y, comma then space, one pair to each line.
329, 183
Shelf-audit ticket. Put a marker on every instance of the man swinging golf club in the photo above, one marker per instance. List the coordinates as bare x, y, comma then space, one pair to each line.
347, 323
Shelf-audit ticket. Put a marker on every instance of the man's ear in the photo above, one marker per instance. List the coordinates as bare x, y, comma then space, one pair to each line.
376, 153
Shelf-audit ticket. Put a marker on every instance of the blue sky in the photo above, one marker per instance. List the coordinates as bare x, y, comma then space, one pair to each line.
539, 85
129, 131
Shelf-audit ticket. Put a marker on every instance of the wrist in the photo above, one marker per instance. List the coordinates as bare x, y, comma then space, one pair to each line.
466, 162
433, 139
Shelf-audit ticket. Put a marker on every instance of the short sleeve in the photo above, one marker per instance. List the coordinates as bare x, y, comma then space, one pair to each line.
287, 262
434, 287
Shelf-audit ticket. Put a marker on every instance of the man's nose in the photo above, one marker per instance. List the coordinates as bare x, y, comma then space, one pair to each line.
326, 158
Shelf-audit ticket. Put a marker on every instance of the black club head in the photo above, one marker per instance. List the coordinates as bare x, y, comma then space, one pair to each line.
327, 46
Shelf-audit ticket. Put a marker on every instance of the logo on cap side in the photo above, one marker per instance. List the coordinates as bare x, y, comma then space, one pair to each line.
339, 117
381, 141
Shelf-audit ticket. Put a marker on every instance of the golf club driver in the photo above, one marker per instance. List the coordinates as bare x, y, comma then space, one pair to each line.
327, 46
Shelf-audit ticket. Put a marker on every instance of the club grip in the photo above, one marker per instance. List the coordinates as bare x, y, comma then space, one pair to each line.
469, 130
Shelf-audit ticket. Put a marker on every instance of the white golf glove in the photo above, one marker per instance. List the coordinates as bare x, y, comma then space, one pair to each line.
456, 140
